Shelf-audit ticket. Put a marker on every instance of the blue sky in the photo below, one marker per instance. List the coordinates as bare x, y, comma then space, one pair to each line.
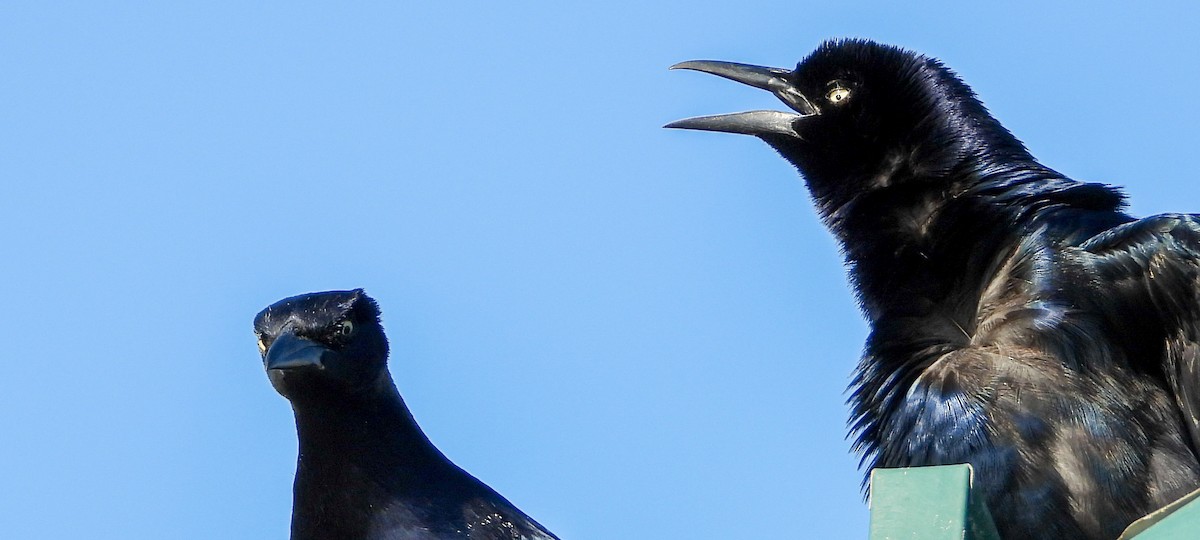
630, 332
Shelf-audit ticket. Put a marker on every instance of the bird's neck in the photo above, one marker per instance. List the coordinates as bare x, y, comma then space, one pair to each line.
368, 433
911, 239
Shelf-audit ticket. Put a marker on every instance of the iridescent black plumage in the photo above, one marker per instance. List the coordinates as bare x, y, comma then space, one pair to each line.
1021, 321
365, 470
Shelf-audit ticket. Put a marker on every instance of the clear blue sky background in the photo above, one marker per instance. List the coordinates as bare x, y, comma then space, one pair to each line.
631, 332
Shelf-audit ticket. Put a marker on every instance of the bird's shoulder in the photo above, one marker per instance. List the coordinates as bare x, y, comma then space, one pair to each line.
1151, 267
437, 518
492, 517
1161, 251
1176, 230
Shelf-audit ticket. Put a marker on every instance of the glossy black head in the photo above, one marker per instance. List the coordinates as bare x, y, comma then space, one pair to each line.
864, 115
322, 345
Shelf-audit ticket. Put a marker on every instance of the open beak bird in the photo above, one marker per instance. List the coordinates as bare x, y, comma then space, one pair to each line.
1021, 321
365, 470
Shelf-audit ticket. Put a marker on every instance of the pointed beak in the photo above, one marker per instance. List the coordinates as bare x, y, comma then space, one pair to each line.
774, 80
290, 351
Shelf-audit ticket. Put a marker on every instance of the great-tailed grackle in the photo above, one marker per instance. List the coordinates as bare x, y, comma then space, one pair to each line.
1020, 321
365, 469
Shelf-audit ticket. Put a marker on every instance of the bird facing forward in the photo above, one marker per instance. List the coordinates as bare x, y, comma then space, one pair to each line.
365, 469
1021, 321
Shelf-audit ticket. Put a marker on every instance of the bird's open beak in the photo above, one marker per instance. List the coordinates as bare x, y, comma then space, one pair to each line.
290, 351
751, 122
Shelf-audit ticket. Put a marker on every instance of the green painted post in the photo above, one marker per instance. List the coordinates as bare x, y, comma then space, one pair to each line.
1179, 520
928, 503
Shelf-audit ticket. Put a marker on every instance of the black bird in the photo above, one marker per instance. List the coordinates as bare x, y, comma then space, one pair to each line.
365, 469
1021, 321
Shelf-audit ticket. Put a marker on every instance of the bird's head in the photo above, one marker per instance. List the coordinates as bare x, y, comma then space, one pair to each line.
326, 344
863, 115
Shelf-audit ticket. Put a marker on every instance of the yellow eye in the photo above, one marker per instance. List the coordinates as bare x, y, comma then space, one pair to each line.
345, 328
838, 94
262, 346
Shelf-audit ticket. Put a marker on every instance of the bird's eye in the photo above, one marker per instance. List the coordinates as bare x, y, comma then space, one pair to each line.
345, 328
262, 346
838, 94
